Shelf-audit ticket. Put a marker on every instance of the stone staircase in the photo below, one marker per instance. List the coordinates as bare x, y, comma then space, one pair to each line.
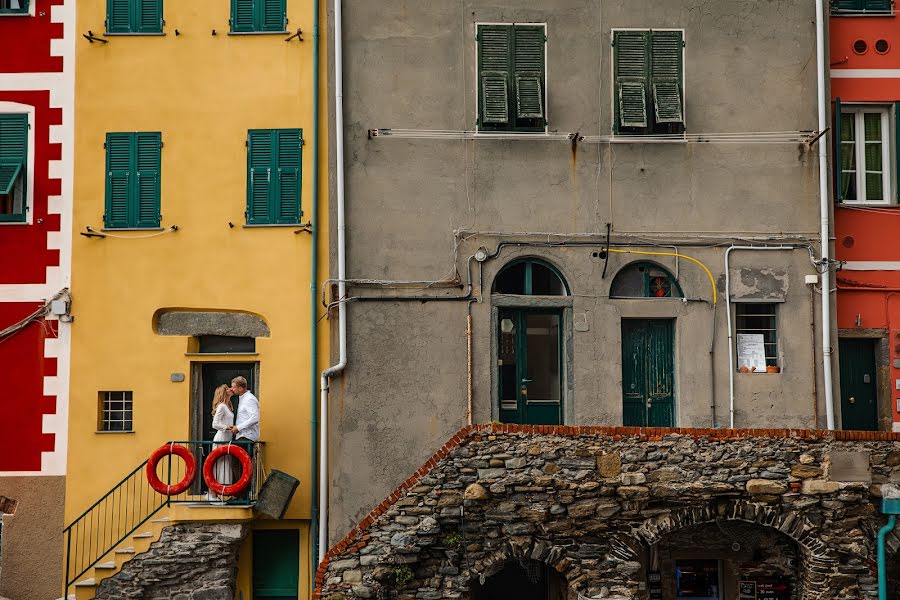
150, 532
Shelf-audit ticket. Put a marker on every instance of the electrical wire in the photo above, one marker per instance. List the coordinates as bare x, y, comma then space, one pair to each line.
37, 315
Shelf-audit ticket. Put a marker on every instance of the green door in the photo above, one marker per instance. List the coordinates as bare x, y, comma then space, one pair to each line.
648, 372
859, 406
529, 360
276, 563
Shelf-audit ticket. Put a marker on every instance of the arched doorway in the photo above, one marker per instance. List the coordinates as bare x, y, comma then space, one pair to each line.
724, 559
522, 580
530, 297
648, 348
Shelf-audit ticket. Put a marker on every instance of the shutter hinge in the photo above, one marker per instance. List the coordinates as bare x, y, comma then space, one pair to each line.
302, 143
246, 143
104, 145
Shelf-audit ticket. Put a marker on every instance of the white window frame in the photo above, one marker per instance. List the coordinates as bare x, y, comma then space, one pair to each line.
29, 13
858, 111
18, 108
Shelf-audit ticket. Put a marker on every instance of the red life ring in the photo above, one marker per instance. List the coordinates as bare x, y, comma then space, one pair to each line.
190, 469
246, 470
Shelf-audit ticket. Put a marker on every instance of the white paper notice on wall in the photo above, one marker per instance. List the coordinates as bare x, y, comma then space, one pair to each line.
751, 351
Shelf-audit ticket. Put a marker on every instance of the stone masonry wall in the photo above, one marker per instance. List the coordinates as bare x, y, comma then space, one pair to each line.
590, 502
191, 561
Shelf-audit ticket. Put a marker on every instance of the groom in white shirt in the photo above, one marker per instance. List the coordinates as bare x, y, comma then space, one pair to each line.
246, 422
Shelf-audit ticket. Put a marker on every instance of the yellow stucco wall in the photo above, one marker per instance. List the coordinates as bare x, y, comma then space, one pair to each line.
203, 92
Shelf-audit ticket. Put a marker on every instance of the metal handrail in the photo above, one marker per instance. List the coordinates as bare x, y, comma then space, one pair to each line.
132, 502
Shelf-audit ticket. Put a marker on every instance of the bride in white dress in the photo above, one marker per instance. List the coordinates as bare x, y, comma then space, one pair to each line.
223, 418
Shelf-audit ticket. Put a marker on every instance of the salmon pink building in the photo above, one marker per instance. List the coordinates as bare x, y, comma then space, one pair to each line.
37, 40
865, 88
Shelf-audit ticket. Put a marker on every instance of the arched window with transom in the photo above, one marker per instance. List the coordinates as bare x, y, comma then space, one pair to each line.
530, 277
645, 280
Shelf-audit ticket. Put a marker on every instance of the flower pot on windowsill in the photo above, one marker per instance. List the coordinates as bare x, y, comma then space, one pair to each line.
773, 369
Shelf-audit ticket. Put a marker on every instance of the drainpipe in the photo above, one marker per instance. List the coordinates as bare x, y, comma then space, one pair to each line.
728, 252
889, 506
824, 213
342, 277
313, 289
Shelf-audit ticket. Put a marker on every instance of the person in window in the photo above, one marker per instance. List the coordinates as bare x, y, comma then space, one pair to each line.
223, 417
246, 426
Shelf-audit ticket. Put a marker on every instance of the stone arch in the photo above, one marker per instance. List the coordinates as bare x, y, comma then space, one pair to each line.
520, 548
818, 562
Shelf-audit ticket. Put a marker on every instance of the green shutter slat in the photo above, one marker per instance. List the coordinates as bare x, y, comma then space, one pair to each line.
287, 209
666, 75
529, 71
8, 175
242, 15
13, 138
632, 104
838, 151
118, 177
118, 16
631, 73
147, 179
260, 162
494, 65
273, 15
149, 16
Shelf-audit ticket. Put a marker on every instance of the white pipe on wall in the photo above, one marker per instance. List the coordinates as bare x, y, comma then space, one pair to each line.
728, 252
824, 213
342, 276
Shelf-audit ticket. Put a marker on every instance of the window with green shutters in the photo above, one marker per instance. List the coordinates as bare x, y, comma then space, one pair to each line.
133, 165
134, 16
511, 76
649, 81
863, 154
274, 176
256, 16
15, 7
862, 7
13, 166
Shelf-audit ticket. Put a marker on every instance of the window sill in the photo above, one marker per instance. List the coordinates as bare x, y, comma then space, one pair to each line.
106, 432
135, 33
23, 221
263, 225
24, 13
880, 204
861, 14
133, 229
258, 32
221, 353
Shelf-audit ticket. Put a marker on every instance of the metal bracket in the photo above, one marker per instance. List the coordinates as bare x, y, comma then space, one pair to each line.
89, 36
296, 35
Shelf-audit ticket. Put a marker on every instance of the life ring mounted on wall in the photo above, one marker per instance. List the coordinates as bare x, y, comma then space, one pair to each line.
190, 464
246, 470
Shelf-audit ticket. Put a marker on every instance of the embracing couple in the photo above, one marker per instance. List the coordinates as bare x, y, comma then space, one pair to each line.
243, 430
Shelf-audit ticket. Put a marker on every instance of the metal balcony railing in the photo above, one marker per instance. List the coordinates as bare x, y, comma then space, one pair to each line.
132, 502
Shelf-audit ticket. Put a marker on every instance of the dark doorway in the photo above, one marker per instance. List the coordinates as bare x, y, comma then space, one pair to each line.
526, 580
859, 404
698, 579
212, 375
276, 563
530, 366
648, 372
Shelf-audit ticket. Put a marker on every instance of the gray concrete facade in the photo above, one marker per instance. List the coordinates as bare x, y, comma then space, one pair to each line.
418, 209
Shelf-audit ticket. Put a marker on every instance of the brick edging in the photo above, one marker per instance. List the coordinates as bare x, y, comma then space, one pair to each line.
357, 538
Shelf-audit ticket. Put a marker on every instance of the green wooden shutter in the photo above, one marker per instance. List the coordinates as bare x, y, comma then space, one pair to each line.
855, 6
666, 75
118, 178
877, 5
494, 67
149, 16
897, 144
260, 187
838, 151
242, 15
146, 209
13, 138
631, 73
272, 15
118, 16
529, 71
289, 144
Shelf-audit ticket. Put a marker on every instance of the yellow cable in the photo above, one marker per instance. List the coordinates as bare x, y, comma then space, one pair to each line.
712, 281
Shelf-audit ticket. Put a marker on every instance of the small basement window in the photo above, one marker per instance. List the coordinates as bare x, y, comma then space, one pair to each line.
226, 344
756, 329
115, 411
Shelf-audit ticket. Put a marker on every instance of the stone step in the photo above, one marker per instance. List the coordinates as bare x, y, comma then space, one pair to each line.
128, 550
162, 520
143, 536
86, 583
105, 566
